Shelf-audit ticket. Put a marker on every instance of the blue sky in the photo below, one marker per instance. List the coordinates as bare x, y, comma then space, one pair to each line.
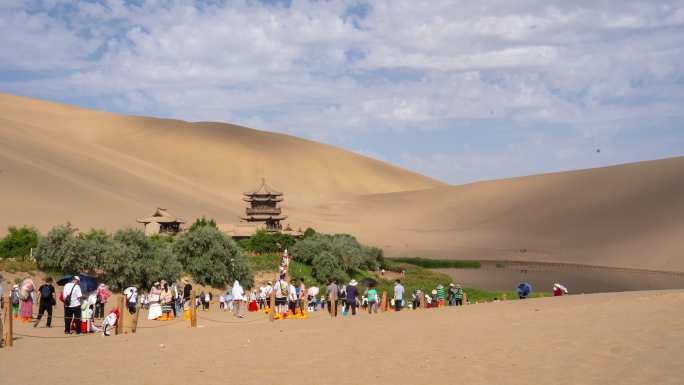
458, 90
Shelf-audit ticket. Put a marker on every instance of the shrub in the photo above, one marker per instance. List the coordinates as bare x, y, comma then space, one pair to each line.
202, 222
132, 259
309, 232
18, 242
61, 250
326, 267
265, 242
440, 263
212, 258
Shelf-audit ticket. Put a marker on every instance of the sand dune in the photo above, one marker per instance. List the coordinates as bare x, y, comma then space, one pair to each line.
623, 216
97, 169
582, 339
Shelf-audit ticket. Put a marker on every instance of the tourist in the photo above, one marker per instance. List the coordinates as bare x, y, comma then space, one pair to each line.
229, 299
350, 294
27, 294
559, 290
167, 302
451, 301
416, 299
253, 306
268, 291
187, 296
372, 296
440, 295
398, 295
72, 305
155, 311
87, 313
302, 296
292, 297
131, 294
222, 302
458, 295
524, 290
330, 289
202, 299
47, 301
238, 298
207, 300
14, 298
102, 295
281, 289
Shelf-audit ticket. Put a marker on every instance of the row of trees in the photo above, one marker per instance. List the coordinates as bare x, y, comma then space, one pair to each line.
336, 256
18, 242
128, 257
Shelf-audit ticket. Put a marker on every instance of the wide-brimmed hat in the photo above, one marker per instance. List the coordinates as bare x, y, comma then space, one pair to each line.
451, 284
76, 277
353, 282
15, 287
434, 292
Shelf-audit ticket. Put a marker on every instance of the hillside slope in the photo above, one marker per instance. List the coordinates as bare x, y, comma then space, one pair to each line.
60, 163
624, 216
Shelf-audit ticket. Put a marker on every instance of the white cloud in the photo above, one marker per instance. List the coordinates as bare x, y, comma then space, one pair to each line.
320, 70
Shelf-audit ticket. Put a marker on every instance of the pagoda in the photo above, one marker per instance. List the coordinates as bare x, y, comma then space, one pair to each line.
264, 207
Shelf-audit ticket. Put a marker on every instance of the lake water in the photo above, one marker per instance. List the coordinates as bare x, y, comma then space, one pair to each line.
578, 279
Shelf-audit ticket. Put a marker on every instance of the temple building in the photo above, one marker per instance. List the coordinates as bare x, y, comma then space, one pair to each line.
161, 222
263, 208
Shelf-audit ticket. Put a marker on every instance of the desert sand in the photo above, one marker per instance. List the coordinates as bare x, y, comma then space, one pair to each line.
61, 163
582, 339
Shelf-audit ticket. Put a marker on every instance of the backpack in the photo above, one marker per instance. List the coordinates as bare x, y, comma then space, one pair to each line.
283, 289
15, 297
45, 292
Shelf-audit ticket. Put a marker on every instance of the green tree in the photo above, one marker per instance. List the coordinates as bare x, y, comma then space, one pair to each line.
326, 267
202, 222
61, 250
212, 258
18, 242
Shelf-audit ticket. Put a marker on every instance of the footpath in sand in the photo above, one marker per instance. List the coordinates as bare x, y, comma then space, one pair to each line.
615, 338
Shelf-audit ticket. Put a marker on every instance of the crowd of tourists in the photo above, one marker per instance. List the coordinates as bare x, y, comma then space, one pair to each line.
84, 302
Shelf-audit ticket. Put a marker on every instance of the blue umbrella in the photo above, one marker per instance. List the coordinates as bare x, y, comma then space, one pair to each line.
87, 283
524, 290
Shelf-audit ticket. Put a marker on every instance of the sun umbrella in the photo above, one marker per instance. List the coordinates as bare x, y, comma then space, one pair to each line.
558, 285
87, 283
369, 282
26, 288
524, 290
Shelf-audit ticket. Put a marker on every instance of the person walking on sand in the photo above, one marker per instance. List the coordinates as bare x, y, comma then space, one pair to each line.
47, 301
14, 298
351, 292
72, 305
238, 298
372, 295
330, 289
458, 295
398, 295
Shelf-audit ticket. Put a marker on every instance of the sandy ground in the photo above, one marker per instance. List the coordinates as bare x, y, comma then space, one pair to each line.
626, 338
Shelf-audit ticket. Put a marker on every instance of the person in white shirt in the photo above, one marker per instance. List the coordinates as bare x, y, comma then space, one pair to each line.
292, 297
72, 305
238, 298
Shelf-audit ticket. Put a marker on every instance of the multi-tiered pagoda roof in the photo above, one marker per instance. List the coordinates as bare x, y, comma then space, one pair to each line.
264, 206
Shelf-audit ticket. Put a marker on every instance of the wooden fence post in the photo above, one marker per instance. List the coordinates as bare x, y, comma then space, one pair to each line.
193, 313
271, 305
384, 307
7, 334
134, 328
422, 300
122, 315
465, 298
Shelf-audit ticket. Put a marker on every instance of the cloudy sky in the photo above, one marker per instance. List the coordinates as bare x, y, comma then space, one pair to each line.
458, 90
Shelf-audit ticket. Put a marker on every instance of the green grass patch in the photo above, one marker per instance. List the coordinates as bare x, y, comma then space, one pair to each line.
17, 266
263, 262
439, 263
